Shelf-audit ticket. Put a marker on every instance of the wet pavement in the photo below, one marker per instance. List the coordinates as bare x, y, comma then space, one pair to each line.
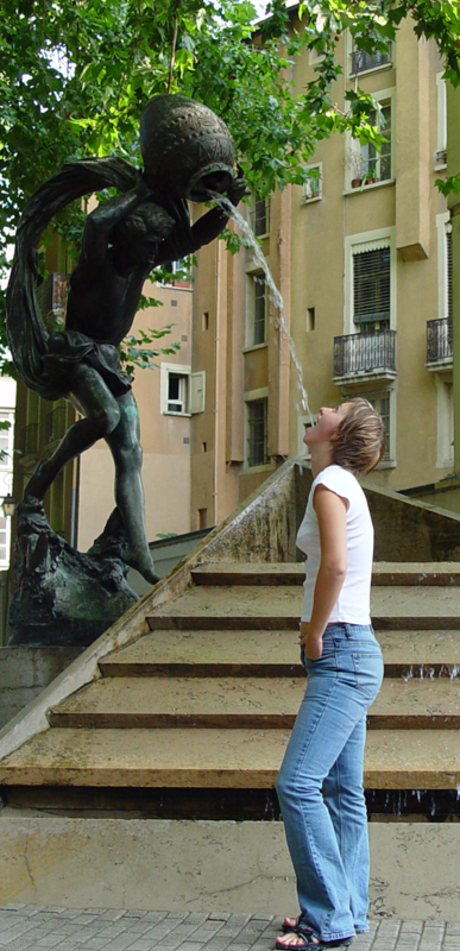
30, 927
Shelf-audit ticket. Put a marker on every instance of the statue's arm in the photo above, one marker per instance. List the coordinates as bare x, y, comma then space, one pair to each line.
106, 216
210, 225
186, 239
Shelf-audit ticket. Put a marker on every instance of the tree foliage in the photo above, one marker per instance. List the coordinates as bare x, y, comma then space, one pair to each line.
75, 75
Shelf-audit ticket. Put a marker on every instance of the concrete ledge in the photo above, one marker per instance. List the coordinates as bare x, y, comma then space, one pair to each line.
197, 865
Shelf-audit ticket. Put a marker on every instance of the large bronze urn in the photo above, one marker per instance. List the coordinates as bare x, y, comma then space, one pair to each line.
185, 147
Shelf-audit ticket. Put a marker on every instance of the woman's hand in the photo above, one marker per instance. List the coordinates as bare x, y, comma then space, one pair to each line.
311, 642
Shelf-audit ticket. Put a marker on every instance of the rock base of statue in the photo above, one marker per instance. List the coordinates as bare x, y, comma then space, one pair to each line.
64, 597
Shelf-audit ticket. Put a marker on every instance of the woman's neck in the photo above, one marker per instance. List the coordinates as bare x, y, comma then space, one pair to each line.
321, 457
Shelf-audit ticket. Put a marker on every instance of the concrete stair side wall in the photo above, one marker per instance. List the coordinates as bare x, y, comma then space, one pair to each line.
261, 529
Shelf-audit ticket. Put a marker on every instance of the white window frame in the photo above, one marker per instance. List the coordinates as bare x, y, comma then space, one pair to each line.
6, 479
444, 422
166, 371
252, 274
441, 122
312, 188
194, 389
255, 202
252, 396
302, 421
354, 160
444, 227
359, 243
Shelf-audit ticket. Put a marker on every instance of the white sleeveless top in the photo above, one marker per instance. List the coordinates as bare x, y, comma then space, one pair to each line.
353, 603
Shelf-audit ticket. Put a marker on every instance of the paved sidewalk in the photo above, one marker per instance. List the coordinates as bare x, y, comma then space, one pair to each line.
32, 928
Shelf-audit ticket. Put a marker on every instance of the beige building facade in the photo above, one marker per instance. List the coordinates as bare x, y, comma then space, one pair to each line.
362, 256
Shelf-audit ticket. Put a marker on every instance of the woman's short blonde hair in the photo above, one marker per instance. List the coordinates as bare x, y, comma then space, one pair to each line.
360, 440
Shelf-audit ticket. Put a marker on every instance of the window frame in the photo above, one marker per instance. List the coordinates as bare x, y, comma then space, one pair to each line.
368, 241
6, 481
255, 276
306, 198
255, 217
256, 396
444, 228
166, 371
354, 151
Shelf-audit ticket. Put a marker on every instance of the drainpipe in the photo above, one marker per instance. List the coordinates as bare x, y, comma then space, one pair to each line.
216, 384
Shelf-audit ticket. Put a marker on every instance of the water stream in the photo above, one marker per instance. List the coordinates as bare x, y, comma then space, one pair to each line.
274, 293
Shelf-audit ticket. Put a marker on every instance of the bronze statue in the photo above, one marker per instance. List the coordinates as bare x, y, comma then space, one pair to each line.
188, 154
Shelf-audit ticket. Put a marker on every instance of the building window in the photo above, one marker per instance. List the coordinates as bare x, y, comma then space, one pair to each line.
258, 300
444, 227
371, 289
6, 481
441, 125
177, 392
376, 165
383, 402
260, 217
368, 165
362, 62
445, 423
182, 393
258, 432
370, 281
312, 188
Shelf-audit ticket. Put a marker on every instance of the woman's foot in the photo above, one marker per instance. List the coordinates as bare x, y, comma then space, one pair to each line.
291, 923
294, 940
304, 939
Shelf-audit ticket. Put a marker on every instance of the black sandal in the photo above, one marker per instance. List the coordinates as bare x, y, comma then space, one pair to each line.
311, 942
288, 929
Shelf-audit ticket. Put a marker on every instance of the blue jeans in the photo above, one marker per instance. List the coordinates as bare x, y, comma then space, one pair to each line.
320, 784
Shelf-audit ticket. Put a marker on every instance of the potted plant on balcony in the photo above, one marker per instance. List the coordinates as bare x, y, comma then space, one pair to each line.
354, 162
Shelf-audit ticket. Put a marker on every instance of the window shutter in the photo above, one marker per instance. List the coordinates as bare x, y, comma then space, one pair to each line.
197, 392
371, 286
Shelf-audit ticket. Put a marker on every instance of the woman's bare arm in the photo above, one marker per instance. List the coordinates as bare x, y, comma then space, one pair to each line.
331, 512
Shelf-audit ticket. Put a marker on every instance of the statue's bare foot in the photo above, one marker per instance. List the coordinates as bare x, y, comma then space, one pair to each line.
39, 481
141, 560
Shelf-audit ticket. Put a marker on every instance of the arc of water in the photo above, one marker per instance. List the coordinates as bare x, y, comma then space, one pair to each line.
275, 295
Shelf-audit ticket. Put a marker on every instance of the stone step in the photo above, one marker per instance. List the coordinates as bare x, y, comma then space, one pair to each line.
238, 702
285, 622
278, 608
238, 759
293, 573
244, 703
253, 653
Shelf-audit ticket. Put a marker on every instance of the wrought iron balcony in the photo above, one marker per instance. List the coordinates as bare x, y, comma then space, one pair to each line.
361, 61
438, 343
371, 354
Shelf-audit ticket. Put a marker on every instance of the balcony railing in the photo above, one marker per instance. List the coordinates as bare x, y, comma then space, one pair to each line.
359, 354
361, 61
438, 341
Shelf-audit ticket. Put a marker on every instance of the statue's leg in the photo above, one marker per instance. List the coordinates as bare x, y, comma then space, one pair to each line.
124, 444
91, 395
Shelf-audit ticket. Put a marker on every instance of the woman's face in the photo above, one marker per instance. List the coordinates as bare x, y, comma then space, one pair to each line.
326, 426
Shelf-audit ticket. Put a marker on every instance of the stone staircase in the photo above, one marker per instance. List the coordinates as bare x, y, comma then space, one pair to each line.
192, 718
